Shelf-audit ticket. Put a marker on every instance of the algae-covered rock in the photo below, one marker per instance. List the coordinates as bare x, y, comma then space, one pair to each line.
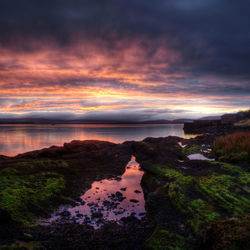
231, 234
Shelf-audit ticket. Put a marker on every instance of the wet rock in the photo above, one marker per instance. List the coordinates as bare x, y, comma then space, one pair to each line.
106, 203
27, 236
130, 220
119, 212
65, 213
134, 200
96, 215
100, 221
110, 205
4, 216
74, 219
79, 215
87, 219
118, 194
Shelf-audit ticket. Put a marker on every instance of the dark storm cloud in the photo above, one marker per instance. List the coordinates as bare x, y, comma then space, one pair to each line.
163, 48
212, 36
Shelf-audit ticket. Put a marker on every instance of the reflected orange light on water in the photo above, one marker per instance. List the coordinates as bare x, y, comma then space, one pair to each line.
15, 139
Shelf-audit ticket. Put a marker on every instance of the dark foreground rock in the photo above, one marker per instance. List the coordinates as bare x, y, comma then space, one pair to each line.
190, 204
131, 235
188, 199
4, 216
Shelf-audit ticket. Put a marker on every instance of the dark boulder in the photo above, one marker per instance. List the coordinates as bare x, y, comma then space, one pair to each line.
4, 216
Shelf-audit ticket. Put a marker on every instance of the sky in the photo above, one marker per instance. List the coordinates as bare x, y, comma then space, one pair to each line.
124, 60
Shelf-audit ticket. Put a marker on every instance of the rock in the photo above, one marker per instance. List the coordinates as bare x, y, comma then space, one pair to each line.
27, 236
129, 220
65, 213
118, 194
96, 215
106, 203
87, 219
134, 200
79, 215
4, 216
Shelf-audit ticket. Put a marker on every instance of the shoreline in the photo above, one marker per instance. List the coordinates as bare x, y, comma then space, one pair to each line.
74, 166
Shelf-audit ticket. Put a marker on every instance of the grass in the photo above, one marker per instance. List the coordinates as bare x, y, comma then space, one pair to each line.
233, 147
243, 123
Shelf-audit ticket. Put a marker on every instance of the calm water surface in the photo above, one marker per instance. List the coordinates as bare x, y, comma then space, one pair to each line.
108, 200
15, 139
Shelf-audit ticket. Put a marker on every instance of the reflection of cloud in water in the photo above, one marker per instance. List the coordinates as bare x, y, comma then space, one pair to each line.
102, 198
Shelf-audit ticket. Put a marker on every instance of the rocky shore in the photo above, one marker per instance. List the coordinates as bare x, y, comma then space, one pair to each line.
190, 204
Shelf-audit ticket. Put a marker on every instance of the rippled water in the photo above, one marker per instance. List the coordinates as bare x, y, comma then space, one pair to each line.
15, 139
109, 200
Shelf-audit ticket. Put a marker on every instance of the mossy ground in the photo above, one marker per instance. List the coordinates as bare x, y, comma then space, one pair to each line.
29, 187
22, 246
191, 149
201, 199
163, 239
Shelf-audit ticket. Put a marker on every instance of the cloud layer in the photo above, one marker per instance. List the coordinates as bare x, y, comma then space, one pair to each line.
141, 59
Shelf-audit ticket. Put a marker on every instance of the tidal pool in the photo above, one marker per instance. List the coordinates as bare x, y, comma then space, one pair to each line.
199, 157
109, 200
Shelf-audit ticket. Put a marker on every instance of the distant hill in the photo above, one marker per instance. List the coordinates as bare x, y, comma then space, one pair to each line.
67, 120
210, 118
82, 121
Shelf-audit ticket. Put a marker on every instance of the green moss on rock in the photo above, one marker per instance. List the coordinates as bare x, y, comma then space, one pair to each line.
188, 150
25, 188
163, 239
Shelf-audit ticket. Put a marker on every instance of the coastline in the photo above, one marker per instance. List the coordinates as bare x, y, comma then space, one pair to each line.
179, 211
